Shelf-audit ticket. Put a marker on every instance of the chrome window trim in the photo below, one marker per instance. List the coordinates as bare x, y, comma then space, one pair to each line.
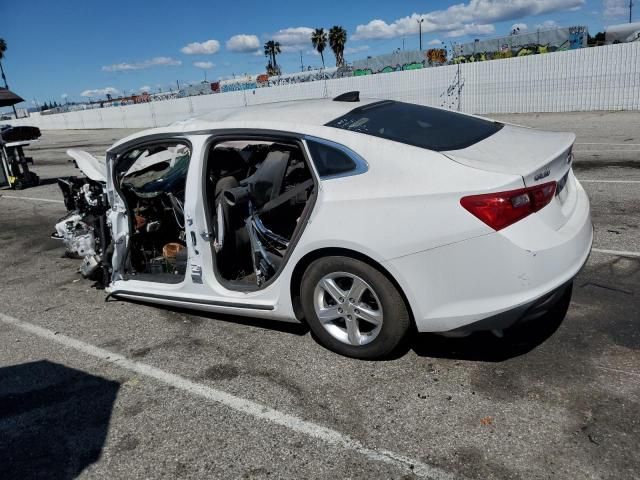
361, 165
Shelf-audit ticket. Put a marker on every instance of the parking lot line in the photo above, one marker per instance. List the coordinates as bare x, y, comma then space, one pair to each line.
248, 407
608, 181
610, 144
33, 199
620, 253
604, 151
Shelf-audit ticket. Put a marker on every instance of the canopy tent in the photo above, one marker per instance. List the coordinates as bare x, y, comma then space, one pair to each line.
8, 98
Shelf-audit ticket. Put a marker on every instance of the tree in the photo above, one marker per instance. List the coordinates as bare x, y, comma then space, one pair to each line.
271, 49
337, 40
319, 41
3, 48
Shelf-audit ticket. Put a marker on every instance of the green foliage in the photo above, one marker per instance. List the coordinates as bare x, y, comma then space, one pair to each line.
337, 41
271, 49
319, 42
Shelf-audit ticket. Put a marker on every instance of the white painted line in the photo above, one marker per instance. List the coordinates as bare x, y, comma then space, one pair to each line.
620, 253
625, 372
578, 151
611, 144
33, 199
248, 407
608, 181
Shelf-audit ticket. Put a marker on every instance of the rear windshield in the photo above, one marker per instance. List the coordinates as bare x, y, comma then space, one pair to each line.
417, 125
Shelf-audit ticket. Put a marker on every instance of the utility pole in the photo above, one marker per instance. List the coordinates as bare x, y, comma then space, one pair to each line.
630, 9
301, 64
420, 30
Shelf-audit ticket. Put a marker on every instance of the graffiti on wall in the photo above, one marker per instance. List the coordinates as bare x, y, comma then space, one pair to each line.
451, 98
389, 63
521, 45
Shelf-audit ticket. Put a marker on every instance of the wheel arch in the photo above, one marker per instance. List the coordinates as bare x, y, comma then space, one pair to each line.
310, 257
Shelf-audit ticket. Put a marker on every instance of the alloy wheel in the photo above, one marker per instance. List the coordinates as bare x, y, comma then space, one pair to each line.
348, 308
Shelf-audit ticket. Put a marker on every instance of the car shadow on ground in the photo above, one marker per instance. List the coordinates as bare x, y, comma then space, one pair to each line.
299, 329
487, 347
48, 181
53, 420
479, 346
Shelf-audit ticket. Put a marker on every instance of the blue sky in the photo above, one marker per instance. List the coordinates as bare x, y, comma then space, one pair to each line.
74, 47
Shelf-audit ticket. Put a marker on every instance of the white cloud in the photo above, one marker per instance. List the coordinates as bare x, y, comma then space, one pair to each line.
205, 48
243, 43
65, 95
294, 36
204, 65
154, 62
358, 49
519, 27
435, 41
100, 92
381, 29
144, 88
615, 8
547, 24
463, 18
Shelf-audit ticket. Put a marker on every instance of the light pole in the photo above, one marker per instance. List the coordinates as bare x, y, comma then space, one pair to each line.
420, 30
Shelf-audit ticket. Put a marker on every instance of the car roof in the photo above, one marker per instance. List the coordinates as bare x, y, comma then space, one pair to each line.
316, 112
308, 112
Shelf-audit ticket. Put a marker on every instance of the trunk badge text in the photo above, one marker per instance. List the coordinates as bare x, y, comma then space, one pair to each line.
541, 175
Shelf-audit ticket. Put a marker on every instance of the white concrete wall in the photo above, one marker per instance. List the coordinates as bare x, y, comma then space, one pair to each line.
601, 78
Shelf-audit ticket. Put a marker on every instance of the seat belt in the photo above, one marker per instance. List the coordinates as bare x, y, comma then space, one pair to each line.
285, 197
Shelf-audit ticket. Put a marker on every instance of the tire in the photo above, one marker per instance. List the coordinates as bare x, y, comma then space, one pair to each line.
354, 336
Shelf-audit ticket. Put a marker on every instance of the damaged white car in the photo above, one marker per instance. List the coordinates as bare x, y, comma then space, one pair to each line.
366, 219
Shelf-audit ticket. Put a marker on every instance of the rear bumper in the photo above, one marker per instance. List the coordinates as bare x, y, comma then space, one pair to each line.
520, 315
501, 275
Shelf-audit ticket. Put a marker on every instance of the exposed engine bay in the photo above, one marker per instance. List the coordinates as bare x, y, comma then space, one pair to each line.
257, 193
84, 230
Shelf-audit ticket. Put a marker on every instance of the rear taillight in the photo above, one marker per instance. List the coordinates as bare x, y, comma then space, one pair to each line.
501, 209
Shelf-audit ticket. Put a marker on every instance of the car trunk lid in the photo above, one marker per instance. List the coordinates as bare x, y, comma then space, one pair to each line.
537, 156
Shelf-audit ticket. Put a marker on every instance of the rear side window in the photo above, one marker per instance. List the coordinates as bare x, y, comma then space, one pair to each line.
417, 125
330, 161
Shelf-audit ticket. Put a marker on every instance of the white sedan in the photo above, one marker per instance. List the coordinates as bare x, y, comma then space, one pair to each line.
366, 219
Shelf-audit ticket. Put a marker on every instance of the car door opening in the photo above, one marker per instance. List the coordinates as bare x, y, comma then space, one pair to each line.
258, 196
152, 182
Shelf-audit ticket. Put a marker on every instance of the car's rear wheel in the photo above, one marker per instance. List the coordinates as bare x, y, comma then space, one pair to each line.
353, 308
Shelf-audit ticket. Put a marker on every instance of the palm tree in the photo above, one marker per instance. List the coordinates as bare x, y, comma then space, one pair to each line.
319, 41
337, 40
3, 48
271, 49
